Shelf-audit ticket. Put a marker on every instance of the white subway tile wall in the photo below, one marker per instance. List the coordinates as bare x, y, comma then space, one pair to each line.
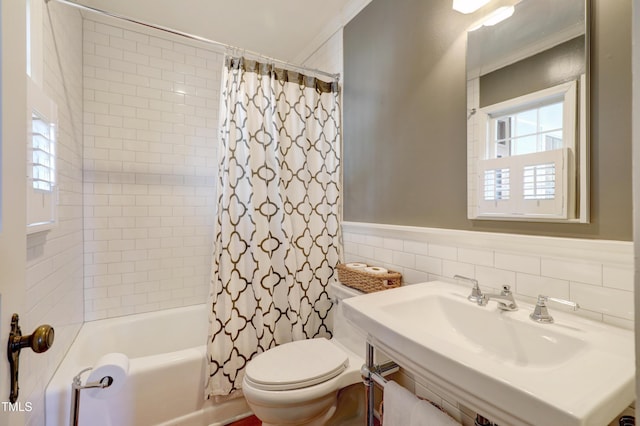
514, 262
603, 288
54, 259
151, 118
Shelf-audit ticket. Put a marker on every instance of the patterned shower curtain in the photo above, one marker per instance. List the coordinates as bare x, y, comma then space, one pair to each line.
277, 231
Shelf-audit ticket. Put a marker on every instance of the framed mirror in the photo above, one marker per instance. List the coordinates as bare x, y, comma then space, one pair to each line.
528, 111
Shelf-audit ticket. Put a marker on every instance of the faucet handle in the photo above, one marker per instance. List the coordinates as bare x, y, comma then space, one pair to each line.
542, 299
506, 290
476, 293
541, 313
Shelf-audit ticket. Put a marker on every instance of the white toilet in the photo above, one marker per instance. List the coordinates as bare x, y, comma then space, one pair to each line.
298, 383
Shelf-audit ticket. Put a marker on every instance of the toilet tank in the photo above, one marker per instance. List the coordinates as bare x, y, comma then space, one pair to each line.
344, 332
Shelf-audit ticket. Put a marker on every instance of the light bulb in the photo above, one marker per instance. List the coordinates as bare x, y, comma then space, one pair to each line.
468, 6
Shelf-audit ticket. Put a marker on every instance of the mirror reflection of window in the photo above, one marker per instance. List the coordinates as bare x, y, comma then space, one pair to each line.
527, 97
535, 130
526, 160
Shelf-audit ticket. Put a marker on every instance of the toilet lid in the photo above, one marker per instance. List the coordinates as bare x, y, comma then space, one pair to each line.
296, 365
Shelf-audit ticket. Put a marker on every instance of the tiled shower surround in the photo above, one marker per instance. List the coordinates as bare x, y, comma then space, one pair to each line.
150, 120
150, 136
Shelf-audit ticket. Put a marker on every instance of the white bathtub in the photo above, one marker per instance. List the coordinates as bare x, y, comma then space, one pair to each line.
165, 385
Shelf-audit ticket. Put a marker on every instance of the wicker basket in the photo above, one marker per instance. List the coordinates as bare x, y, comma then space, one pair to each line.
366, 281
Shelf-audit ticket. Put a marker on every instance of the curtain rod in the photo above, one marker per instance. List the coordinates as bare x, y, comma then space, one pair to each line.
197, 38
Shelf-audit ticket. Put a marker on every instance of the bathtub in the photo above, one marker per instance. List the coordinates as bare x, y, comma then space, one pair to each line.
165, 385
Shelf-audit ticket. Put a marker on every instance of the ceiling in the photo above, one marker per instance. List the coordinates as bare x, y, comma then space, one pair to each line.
282, 29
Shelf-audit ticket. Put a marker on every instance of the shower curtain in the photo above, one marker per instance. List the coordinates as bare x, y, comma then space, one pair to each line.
277, 233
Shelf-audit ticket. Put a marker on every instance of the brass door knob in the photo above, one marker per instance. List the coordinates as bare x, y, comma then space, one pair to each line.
39, 341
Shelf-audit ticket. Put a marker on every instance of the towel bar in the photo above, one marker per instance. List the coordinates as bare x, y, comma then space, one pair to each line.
372, 373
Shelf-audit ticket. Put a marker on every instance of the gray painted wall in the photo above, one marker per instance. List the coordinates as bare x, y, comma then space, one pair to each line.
405, 120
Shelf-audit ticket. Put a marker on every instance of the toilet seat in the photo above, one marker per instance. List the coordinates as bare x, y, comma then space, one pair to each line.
296, 365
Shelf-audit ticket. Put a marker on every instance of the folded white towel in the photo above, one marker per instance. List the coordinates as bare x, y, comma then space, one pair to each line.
425, 414
398, 405
402, 408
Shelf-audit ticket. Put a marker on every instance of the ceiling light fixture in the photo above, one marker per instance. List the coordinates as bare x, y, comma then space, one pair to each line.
468, 6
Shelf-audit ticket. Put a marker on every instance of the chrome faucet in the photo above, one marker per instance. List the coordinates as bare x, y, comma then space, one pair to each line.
541, 313
505, 299
476, 293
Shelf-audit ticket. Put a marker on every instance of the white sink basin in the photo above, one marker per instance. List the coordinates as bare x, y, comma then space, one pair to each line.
507, 367
452, 318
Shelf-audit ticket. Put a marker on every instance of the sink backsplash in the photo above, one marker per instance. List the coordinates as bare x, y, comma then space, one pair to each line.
596, 274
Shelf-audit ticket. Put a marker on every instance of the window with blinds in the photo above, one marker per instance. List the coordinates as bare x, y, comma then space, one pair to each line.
525, 167
41, 161
43, 154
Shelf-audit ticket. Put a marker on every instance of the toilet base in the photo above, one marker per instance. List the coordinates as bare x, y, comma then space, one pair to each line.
321, 420
347, 409
351, 408
307, 413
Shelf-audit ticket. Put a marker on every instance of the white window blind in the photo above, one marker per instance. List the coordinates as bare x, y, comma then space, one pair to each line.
539, 182
41, 161
497, 184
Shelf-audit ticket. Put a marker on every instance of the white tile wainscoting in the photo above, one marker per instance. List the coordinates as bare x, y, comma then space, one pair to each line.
597, 274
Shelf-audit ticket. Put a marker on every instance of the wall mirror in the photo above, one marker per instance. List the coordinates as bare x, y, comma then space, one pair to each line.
528, 111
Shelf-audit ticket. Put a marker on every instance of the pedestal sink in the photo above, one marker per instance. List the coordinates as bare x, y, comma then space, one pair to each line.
501, 364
